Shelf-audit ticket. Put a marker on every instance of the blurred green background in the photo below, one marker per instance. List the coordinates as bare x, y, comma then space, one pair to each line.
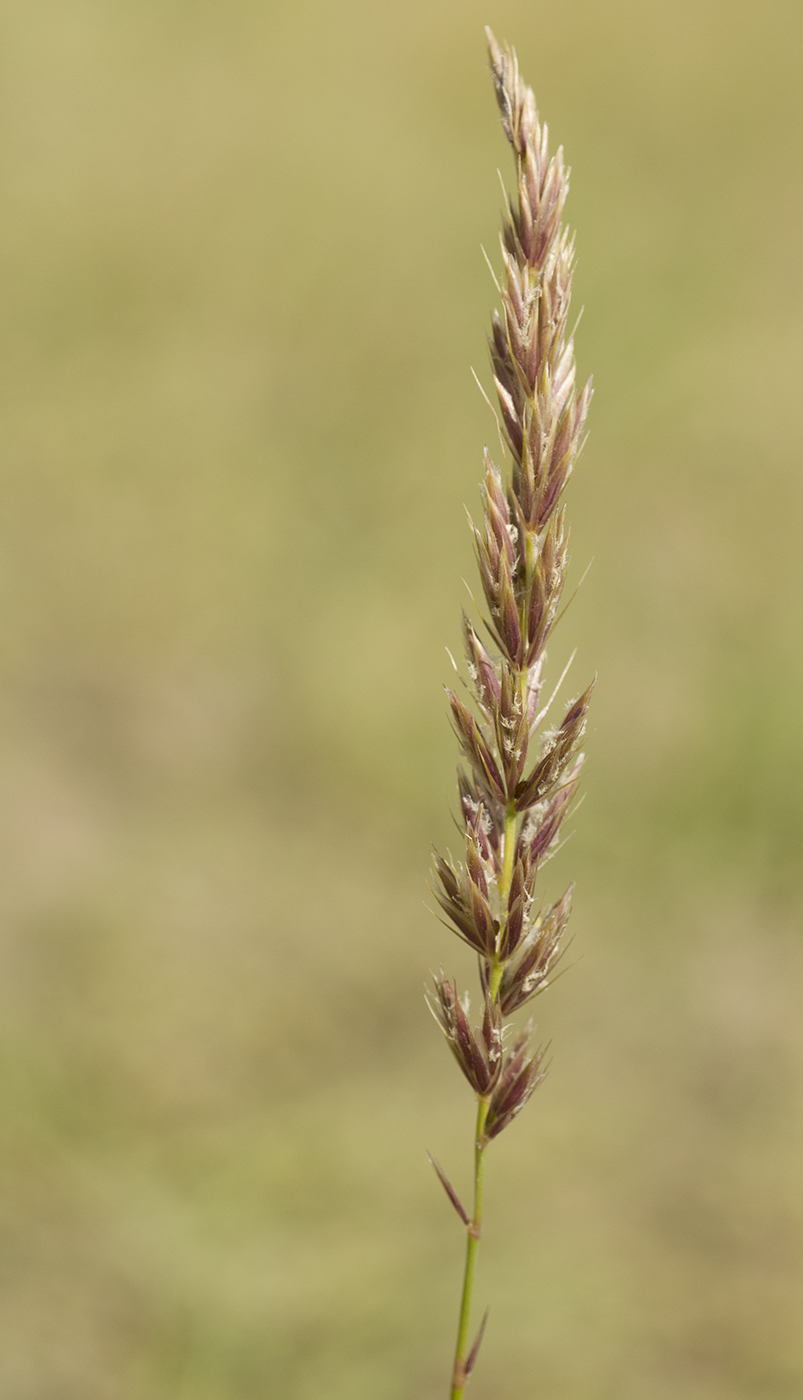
241, 290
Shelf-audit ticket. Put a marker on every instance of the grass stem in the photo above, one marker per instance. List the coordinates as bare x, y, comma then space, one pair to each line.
474, 1229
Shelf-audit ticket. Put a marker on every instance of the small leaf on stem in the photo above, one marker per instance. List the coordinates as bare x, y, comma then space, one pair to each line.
474, 1353
450, 1191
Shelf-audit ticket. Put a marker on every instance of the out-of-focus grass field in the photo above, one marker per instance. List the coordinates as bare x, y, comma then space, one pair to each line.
241, 290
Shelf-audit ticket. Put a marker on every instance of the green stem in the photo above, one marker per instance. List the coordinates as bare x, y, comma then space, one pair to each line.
507, 863
459, 1377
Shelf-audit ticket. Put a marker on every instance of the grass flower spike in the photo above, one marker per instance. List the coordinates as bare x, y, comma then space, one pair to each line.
520, 778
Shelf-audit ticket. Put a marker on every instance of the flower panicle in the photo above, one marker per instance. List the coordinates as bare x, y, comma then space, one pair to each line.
519, 780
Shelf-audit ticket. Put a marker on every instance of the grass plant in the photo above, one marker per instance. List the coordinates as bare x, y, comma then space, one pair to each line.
520, 776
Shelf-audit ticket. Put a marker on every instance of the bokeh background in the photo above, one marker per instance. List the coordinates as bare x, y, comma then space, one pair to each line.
242, 288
